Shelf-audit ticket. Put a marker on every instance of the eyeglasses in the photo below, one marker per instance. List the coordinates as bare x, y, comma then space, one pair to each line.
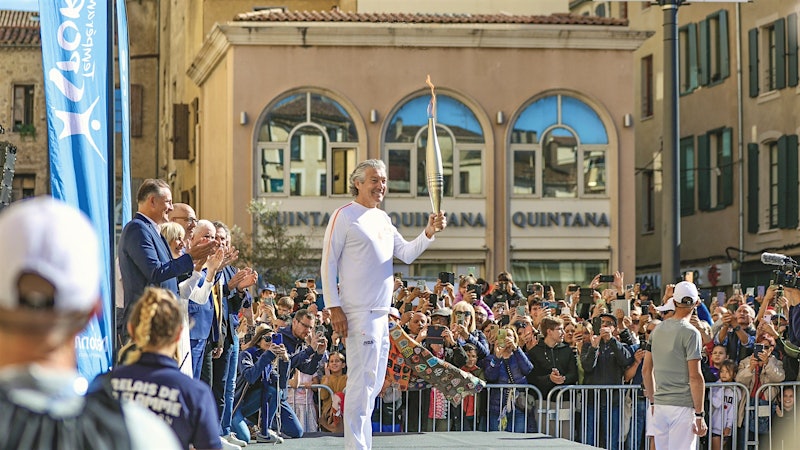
305, 325
607, 323
189, 220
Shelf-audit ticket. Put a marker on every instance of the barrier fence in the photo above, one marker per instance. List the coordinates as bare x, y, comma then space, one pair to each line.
609, 416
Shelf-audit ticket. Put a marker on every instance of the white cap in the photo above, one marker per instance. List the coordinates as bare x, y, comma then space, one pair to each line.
684, 290
48, 238
669, 306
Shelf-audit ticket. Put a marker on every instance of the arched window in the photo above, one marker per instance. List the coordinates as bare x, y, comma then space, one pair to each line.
558, 147
317, 137
460, 140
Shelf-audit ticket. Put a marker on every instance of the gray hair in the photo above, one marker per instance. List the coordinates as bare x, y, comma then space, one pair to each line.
359, 174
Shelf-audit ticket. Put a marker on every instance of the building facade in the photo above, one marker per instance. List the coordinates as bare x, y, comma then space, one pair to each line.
22, 110
533, 136
737, 177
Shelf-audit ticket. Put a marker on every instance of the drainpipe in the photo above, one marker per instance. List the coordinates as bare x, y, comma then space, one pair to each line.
740, 139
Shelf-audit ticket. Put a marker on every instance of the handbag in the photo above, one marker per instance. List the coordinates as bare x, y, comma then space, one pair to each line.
522, 400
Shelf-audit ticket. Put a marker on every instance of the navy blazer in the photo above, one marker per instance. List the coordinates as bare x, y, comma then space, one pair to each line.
201, 315
237, 299
145, 260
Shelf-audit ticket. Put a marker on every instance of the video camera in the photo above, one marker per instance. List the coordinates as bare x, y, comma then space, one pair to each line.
786, 275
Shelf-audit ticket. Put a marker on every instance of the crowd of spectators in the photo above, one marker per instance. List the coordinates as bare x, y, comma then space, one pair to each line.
264, 355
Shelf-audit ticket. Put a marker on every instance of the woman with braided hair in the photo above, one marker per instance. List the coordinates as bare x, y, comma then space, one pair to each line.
154, 380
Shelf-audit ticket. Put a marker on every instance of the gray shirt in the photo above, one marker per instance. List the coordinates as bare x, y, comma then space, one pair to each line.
674, 342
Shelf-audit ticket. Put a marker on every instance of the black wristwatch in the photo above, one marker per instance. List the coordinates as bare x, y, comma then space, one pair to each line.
738, 327
699, 414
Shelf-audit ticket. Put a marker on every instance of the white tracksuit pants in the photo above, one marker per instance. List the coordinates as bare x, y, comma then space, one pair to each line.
367, 352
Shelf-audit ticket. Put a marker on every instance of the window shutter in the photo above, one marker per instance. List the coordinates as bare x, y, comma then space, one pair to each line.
686, 176
752, 188
180, 131
752, 39
724, 52
791, 51
703, 173
705, 53
137, 100
692, 33
726, 168
780, 53
790, 172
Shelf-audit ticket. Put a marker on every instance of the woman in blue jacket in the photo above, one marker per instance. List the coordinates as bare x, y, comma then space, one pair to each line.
508, 365
257, 385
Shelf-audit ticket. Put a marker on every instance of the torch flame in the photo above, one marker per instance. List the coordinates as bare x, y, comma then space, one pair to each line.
432, 104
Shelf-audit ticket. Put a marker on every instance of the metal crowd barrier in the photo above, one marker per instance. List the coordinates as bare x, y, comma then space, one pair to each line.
308, 413
772, 415
608, 416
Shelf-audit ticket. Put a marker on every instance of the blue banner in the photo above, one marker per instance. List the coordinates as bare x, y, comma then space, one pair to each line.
75, 40
125, 89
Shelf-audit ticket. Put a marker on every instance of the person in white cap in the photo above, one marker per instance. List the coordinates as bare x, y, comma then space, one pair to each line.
672, 377
358, 280
667, 309
49, 290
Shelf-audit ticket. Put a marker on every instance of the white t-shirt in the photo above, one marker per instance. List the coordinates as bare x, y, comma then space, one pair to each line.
358, 250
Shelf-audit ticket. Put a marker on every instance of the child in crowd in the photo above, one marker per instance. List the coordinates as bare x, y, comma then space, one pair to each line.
724, 405
784, 424
331, 413
470, 405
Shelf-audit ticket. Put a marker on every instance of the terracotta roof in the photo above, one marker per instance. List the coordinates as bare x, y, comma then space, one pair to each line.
17, 29
276, 15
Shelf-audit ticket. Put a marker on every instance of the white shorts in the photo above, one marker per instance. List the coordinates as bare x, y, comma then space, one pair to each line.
672, 427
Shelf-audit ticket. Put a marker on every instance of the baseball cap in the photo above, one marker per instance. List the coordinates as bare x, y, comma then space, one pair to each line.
48, 238
669, 306
685, 294
444, 312
270, 287
394, 312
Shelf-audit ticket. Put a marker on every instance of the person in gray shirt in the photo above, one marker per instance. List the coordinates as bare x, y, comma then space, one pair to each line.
673, 381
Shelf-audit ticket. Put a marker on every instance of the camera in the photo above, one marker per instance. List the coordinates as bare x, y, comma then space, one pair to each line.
447, 278
786, 275
757, 349
277, 339
476, 288
301, 293
606, 278
646, 346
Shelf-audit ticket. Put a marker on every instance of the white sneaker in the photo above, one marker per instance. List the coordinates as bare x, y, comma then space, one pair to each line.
270, 438
231, 437
228, 446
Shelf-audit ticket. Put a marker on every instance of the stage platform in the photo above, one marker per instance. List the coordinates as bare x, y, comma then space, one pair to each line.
423, 441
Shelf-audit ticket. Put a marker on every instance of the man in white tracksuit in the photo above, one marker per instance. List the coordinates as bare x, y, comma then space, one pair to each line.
357, 277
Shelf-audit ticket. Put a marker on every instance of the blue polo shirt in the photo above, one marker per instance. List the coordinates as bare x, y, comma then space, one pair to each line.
185, 404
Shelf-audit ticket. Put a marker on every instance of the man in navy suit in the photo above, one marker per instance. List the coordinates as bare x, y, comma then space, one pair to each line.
144, 256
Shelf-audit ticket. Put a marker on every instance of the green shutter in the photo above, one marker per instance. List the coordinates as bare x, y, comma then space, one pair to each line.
703, 173
705, 53
782, 179
726, 169
791, 51
791, 181
686, 176
780, 53
692, 33
724, 52
752, 39
752, 188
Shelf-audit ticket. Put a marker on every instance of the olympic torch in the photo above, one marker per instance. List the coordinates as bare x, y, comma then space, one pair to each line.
433, 156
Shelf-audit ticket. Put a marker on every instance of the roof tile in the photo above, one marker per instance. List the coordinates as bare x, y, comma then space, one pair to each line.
276, 15
19, 29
